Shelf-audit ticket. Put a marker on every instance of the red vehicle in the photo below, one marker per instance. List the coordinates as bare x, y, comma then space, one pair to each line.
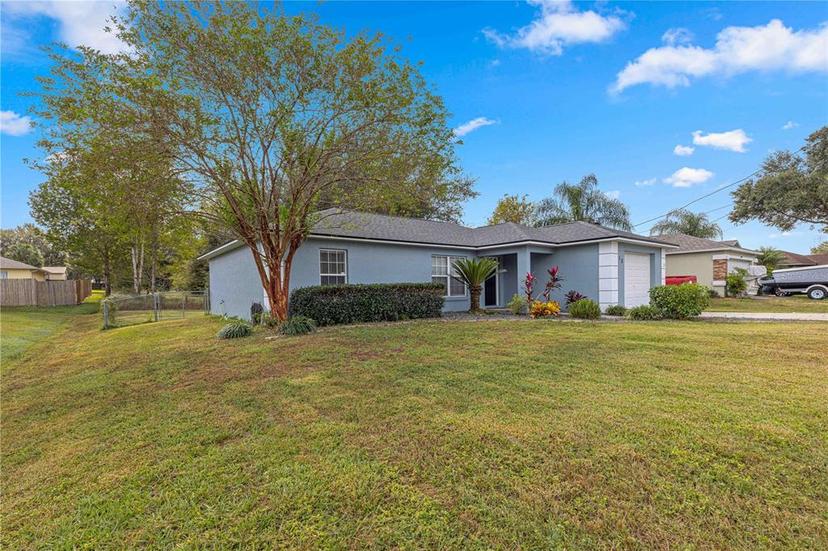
678, 280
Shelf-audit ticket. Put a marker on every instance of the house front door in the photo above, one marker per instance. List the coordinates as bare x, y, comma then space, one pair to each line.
490, 288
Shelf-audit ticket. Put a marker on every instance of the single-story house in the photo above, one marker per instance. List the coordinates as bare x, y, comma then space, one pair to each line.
794, 260
710, 261
12, 269
55, 273
607, 265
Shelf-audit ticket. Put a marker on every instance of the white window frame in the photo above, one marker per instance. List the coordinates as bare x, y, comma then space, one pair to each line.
450, 260
321, 275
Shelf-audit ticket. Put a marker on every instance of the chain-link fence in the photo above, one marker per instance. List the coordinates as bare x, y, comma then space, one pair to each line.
123, 310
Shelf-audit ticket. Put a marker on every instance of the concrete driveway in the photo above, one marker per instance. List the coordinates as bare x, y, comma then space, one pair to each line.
765, 316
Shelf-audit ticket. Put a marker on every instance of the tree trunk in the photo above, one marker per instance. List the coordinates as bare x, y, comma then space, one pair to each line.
137, 266
475, 298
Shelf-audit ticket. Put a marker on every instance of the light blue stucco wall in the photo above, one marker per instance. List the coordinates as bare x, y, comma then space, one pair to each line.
234, 283
578, 266
375, 263
655, 265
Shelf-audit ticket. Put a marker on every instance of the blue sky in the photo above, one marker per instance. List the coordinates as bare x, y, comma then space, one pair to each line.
557, 91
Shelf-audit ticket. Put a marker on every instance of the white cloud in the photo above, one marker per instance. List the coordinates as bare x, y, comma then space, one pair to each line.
732, 140
472, 125
13, 124
789, 125
558, 24
687, 177
614, 194
738, 49
784, 234
79, 23
677, 36
683, 150
644, 183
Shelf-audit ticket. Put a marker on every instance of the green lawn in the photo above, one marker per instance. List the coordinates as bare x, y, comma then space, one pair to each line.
20, 327
462, 435
796, 303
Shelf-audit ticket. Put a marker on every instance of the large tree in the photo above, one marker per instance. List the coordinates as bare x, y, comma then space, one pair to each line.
690, 223
792, 188
513, 208
582, 202
30, 234
275, 118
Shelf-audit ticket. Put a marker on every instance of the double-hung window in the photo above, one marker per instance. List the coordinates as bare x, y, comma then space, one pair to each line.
444, 273
333, 266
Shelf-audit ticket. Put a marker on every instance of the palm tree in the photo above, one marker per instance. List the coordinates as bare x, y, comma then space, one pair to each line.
690, 223
770, 258
474, 272
582, 202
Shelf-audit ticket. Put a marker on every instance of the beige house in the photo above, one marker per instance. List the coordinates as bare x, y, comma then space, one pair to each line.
710, 261
55, 273
12, 269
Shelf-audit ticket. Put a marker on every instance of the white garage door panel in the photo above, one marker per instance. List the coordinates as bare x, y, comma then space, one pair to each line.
636, 279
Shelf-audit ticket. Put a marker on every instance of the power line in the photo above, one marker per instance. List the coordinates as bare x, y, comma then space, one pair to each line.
699, 199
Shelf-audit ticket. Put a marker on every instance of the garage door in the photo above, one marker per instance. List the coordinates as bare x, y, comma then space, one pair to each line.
636, 279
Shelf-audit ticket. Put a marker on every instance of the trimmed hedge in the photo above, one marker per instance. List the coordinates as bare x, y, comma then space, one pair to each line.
687, 300
644, 312
340, 304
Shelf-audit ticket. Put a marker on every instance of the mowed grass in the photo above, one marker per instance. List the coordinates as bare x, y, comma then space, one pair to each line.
797, 303
22, 326
461, 435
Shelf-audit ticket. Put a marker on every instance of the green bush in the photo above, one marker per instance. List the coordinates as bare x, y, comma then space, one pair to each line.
517, 304
616, 310
235, 330
683, 301
585, 309
735, 284
297, 325
266, 320
339, 304
644, 312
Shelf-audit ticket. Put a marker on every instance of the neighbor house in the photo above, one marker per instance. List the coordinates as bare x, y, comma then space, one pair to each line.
710, 261
55, 273
12, 269
794, 260
607, 265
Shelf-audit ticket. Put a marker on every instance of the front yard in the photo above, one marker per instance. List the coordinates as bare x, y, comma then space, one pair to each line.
463, 435
798, 303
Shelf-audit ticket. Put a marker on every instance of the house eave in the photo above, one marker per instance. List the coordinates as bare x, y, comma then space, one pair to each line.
716, 249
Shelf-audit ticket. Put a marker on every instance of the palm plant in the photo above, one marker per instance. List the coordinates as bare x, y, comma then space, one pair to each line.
690, 223
770, 258
582, 202
474, 272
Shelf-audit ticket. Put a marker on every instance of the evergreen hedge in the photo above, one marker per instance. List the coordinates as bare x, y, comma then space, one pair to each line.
340, 304
687, 300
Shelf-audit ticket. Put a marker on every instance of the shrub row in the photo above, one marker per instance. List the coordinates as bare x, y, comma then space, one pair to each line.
338, 304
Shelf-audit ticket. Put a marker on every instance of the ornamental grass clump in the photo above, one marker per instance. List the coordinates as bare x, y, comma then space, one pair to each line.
544, 309
235, 330
297, 325
585, 309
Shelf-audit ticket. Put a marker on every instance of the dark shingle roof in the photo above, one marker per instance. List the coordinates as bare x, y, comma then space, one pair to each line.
689, 243
361, 225
394, 228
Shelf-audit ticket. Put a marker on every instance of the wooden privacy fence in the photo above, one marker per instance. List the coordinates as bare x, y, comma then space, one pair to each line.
28, 292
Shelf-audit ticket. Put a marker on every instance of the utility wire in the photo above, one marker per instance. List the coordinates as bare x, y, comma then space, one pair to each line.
699, 199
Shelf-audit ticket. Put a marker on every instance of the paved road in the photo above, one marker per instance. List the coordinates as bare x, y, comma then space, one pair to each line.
767, 316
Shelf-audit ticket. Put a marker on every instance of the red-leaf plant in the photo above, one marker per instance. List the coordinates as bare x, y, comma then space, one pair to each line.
529, 286
553, 283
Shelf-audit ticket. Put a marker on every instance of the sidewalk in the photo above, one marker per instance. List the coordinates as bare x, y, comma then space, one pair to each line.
766, 316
